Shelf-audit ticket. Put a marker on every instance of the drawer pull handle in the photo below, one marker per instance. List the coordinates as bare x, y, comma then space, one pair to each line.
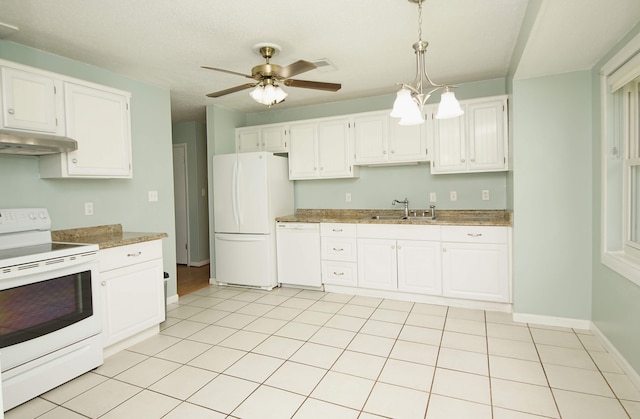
337, 230
474, 234
338, 273
134, 255
338, 250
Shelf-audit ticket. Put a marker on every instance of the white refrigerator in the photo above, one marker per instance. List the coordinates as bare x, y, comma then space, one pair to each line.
249, 191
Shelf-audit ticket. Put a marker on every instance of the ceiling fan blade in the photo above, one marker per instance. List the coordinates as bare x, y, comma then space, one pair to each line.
227, 71
296, 68
317, 85
232, 90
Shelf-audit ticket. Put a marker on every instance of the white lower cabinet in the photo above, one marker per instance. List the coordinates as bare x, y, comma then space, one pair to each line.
339, 254
132, 291
475, 263
399, 257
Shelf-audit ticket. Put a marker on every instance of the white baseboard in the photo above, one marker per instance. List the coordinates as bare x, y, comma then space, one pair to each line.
552, 321
200, 264
617, 356
172, 299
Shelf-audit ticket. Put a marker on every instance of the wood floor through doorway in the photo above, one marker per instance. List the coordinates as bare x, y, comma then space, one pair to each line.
192, 278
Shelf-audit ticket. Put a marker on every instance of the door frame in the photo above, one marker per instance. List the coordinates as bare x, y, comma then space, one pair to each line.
183, 147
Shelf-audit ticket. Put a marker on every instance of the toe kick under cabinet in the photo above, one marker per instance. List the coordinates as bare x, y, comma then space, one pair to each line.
132, 289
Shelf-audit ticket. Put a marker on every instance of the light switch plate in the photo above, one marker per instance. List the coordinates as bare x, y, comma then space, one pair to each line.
453, 196
432, 197
153, 196
485, 195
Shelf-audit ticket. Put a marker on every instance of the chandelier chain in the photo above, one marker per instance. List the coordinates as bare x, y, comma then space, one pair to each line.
420, 20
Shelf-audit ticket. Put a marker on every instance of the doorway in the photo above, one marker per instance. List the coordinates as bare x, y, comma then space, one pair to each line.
181, 203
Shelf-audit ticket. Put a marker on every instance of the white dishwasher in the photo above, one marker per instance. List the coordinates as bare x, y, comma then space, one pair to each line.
298, 254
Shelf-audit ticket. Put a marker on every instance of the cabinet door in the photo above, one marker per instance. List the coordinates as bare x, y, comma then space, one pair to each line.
132, 300
274, 139
449, 145
476, 271
31, 102
487, 134
334, 149
406, 143
303, 163
377, 264
99, 121
371, 138
248, 139
419, 267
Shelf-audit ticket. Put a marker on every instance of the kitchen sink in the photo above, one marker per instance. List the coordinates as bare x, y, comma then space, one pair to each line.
402, 217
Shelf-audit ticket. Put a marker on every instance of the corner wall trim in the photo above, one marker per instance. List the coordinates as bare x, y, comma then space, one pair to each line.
552, 321
617, 356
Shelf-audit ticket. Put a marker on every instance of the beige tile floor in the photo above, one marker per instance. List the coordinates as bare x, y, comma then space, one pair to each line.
237, 353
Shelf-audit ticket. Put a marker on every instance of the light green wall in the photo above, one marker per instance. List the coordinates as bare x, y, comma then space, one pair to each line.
616, 307
116, 201
194, 135
552, 190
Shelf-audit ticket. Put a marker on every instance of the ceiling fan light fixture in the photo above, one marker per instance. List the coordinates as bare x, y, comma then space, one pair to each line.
422, 88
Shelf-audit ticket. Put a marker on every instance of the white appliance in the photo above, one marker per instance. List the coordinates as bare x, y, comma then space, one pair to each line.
50, 316
298, 255
249, 191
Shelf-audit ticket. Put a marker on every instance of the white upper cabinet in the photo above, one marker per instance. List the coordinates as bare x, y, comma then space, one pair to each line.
98, 119
32, 102
379, 139
474, 142
321, 149
273, 138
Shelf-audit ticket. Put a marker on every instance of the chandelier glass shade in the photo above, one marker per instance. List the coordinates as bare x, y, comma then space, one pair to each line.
268, 93
411, 98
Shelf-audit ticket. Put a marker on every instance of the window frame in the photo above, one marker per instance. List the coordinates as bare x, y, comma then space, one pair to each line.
617, 250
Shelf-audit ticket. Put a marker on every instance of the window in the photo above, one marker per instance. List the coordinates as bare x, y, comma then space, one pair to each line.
620, 97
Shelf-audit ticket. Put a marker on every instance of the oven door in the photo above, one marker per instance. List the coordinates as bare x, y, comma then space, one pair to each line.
45, 309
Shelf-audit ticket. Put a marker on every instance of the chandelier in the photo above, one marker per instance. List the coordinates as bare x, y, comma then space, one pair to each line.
411, 98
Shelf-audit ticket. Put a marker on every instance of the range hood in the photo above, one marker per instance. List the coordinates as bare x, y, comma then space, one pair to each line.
34, 144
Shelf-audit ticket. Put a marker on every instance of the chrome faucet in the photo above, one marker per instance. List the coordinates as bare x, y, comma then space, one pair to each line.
432, 209
406, 205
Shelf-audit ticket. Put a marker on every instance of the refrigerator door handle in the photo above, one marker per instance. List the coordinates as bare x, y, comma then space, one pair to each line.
238, 194
234, 193
241, 238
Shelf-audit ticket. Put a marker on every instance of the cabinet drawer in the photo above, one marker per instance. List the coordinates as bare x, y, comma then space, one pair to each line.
475, 234
117, 257
399, 232
339, 273
338, 229
339, 249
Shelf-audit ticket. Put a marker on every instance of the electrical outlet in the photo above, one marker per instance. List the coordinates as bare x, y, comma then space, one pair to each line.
432, 197
453, 196
88, 208
153, 196
485, 194
347, 197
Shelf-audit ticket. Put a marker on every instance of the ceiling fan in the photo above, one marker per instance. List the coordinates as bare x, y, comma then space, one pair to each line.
269, 77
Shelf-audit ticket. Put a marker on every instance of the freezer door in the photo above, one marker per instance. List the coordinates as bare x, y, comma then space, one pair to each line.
243, 259
224, 193
252, 198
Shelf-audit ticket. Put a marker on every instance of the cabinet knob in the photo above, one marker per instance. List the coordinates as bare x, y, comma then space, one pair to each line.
393, 151
444, 249
461, 160
103, 283
399, 247
74, 161
393, 247
473, 160
10, 111
384, 152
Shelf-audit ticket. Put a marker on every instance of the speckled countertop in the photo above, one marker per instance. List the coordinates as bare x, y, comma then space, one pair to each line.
443, 217
104, 236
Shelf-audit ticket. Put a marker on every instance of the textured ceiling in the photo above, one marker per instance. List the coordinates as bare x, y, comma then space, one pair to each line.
164, 42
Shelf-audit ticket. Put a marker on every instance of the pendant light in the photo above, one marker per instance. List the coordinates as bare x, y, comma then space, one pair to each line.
411, 98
